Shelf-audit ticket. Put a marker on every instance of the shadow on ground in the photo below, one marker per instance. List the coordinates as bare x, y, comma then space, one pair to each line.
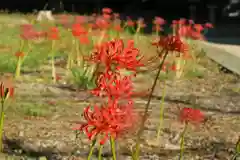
210, 150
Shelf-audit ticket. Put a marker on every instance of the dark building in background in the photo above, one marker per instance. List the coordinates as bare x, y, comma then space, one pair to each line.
200, 10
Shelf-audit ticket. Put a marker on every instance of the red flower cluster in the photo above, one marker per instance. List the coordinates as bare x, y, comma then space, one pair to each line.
158, 22
80, 32
113, 118
53, 33
29, 33
115, 54
191, 115
189, 29
6, 90
172, 43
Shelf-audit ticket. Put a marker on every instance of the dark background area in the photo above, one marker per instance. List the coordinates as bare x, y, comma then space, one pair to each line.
169, 10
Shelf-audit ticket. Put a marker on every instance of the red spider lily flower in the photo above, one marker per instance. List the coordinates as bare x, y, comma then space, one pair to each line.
174, 67
114, 52
208, 25
118, 28
172, 43
102, 23
189, 32
130, 57
159, 21
19, 54
191, 115
111, 120
80, 19
84, 39
29, 34
130, 22
6, 90
190, 21
114, 86
58, 77
157, 28
106, 10
64, 19
78, 30
141, 23
182, 21
53, 33
198, 27
168, 67
107, 16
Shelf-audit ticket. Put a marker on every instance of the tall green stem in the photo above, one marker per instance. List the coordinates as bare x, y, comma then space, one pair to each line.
1, 125
53, 62
182, 141
113, 148
79, 56
100, 152
91, 149
161, 111
18, 68
137, 147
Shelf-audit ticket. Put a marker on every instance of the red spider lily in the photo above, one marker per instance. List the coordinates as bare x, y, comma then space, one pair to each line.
130, 57
157, 28
58, 77
182, 21
190, 21
114, 86
107, 16
198, 27
130, 23
169, 67
64, 19
114, 52
208, 25
6, 90
29, 33
172, 43
84, 40
189, 32
53, 33
118, 28
80, 19
106, 10
159, 21
19, 54
191, 115
141, 23
78, 30
105, 121
102, 23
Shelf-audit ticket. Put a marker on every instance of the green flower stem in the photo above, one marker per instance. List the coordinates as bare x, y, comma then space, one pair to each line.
19, 62
18, 68
161, 111
182, 141
70, 55
91, 149
113, 148
100, 152
1, 125
137, 147
79, 55
235, 156
53, 62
